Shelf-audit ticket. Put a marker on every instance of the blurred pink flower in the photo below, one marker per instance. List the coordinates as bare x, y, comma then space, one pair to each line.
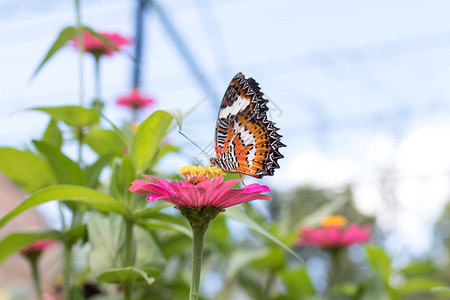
334, 236
203, 187
135, 100
95, 46
37, 247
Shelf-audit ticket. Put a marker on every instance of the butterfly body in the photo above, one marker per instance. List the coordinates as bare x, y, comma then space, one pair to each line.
246, 141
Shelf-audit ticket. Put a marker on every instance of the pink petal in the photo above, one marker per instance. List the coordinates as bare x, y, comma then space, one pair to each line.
142, 186
196, 195
211, 190
246, 194
256, 188
221, 188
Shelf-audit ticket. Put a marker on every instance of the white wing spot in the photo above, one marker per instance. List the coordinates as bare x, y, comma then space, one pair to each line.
251, 156
246, 136
239, 105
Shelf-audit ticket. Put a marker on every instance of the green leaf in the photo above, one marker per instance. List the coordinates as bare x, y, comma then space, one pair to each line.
158, 224
65, 169
252, 285
52, 135
102, 38
298, 283
345, 289
79, 194
65, 35
93, 171
75, 234
75, 116
123, 175
76, 294
179, 118
104, 141
124, 138
241, 258
232, 176
147, 139
162, 150
379, 261
107, 237
177, 115
441, 290
323, 211
418, 285
157, 215
148, 255
419, 268
375, 290
150, 211
124, 274
238, 214
218, 234
275, 259
26, 169
15, 242
172, 242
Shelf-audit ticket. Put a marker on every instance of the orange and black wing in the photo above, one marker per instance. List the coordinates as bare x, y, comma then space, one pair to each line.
246, 141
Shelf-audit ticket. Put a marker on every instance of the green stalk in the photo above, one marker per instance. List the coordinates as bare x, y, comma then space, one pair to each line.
269, 282
80, 43
134, 114
198, 239
97, 78
63, 219
336, 275
80, 137
67, 269
199, 218
128, 260
33, 259
97, 104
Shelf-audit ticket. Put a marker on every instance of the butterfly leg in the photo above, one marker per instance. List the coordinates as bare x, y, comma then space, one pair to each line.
240, 175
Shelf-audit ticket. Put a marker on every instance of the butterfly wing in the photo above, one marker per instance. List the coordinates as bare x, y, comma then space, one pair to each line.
246, 141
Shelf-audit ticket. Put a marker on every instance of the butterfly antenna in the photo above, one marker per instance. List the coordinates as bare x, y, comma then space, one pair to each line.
179, 131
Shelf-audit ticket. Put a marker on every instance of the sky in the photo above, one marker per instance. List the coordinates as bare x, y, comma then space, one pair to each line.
360, 90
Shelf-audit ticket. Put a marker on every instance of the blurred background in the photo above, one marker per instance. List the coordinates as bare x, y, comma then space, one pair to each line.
360, 91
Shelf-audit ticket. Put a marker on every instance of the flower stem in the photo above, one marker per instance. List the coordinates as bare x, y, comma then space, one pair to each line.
34, 266
128, 260
80, 43
197, 256
97, 103
134, 114
269, 282
80, 144
336, 273
97, 78
67, 268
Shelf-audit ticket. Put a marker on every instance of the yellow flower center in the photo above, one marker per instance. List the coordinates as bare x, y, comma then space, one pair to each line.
337, 221
197, 174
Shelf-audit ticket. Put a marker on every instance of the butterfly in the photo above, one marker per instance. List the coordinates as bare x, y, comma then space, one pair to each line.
246, 141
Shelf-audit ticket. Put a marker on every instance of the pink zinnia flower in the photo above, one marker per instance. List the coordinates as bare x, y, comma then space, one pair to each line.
95, 46
203, 187
333, 234
135, 100
200, 198
38, 246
